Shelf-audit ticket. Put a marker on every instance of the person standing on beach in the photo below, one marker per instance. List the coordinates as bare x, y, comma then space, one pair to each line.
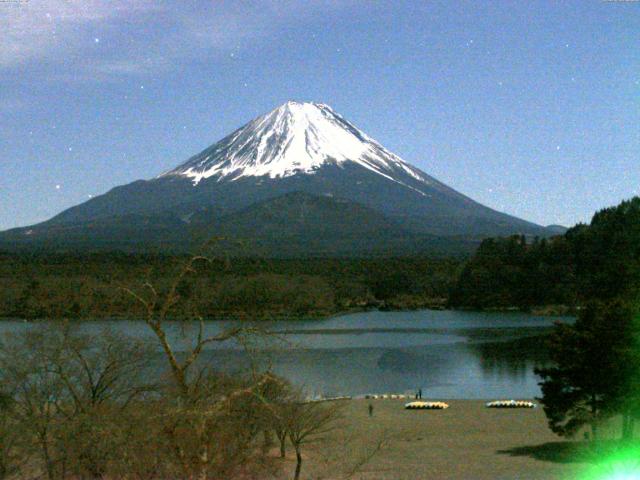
420, 394
370, 410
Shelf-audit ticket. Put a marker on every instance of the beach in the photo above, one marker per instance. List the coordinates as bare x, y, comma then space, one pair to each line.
465, 441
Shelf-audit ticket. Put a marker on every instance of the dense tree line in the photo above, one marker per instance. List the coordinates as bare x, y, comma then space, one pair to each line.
595, 373
516, 272
588, 262
91, 285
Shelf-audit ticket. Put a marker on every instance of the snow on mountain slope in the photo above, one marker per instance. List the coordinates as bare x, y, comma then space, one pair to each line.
292, 139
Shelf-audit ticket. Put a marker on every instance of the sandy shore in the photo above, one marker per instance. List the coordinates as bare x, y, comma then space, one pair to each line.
466, 441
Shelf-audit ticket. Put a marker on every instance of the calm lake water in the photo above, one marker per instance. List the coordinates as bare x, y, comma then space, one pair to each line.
446, 353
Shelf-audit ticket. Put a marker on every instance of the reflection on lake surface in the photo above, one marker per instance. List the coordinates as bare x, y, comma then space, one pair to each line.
448, 354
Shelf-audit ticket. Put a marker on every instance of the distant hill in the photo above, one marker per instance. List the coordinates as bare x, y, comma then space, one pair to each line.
556, 229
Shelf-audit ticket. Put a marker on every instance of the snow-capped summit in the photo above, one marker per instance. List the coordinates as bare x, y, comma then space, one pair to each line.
294, 138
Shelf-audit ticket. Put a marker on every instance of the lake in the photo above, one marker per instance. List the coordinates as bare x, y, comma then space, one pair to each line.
449, 354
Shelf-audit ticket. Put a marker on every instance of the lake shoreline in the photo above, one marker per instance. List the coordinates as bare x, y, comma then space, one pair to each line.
542, 311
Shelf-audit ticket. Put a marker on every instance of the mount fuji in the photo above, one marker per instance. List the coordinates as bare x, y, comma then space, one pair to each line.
299, 180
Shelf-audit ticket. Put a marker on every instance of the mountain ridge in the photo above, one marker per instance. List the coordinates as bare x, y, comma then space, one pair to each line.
297, 147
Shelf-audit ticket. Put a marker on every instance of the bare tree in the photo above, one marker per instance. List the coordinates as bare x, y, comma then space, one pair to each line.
105, 368
157, 309
69, 392
25, 366
309, 421
344, 454
275, 395
11, 456
212, 422
280, 427
102, 374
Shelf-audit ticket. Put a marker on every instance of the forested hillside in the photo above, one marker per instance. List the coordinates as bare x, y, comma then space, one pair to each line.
92, 286
595, 261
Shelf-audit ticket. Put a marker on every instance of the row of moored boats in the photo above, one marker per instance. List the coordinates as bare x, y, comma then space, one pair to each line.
420, 405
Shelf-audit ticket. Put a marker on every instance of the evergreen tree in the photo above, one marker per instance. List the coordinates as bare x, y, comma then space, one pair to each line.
599, 261
596, 365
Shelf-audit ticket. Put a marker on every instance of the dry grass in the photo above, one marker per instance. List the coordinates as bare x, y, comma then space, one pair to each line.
466, 441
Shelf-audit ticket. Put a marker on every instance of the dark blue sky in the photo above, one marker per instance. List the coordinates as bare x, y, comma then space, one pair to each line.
530, 107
